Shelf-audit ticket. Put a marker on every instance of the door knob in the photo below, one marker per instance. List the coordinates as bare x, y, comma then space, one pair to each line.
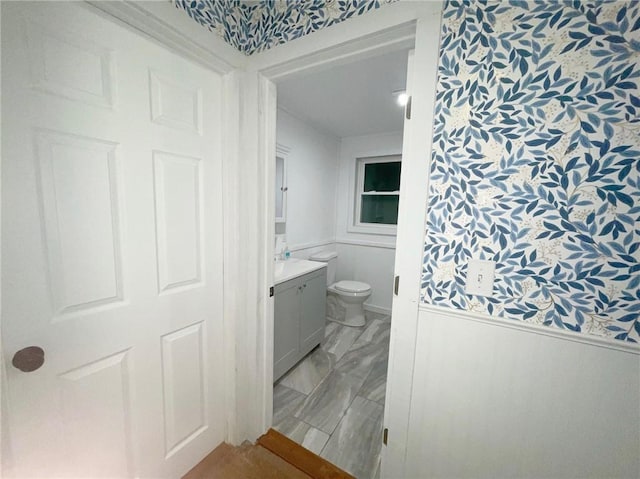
28, 359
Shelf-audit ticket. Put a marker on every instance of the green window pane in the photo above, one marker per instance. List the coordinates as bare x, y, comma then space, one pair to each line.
379, 209
382, 176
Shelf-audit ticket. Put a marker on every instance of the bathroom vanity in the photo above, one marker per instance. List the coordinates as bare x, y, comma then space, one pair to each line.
300, 311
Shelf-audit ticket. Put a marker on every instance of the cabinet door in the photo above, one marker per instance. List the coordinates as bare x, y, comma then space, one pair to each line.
286, 328
313, 317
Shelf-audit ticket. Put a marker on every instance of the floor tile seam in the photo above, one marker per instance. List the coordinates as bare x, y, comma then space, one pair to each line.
333, 430
297, 390
312, 426
363, 383
344, 376
291, 410
294, 390
337, 359
374, 341
322, 380
344, 413
286, 410
366, 419
375, 403
362, 346
364, 330
300, 408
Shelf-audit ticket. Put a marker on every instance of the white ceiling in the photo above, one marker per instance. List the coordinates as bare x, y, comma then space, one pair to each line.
349, 100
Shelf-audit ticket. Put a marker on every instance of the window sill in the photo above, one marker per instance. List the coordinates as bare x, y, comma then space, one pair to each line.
386, 230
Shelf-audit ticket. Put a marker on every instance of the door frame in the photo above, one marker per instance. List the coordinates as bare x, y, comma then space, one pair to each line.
393, 27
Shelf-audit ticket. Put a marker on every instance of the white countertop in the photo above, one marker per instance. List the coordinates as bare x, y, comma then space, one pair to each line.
293, 267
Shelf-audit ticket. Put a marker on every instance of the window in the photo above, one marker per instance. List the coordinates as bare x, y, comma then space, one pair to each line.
378, 193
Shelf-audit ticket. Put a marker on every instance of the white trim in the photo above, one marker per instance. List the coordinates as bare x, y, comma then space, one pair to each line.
348, 241
172, 28
5, 449
282, 152
369, 244
351, 226
532, 328
231, 275
267, 146
248, 274
386, 29
414, 186
321, 50
385, 42
355, 225
313, 244
376, 309
282, 149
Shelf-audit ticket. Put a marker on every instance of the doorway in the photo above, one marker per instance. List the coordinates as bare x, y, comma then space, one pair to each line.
339, 146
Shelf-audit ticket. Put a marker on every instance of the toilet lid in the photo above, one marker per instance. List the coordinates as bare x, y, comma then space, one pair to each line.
352, 286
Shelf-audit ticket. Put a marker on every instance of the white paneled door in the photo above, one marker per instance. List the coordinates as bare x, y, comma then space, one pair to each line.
111, 249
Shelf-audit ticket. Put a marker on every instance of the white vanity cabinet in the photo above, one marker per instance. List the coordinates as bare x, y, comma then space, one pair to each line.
299, 318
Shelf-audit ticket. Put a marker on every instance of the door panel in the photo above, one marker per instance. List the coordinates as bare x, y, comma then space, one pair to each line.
313, 318
178, 220
99, 393
286, 327
111, 246
78, 180
183, 367
70, 65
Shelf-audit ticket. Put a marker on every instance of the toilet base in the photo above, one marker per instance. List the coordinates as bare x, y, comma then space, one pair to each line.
347, 314
356, 322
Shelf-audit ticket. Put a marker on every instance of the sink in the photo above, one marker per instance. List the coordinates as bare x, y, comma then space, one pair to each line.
292, 268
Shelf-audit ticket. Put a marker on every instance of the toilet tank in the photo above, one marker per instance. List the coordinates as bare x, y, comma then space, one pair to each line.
328, 257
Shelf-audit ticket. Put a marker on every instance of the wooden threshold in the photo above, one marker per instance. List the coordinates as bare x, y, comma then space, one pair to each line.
244, 462
296, 455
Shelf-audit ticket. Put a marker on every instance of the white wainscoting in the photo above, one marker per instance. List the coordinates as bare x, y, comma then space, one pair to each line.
493, 399
371, 264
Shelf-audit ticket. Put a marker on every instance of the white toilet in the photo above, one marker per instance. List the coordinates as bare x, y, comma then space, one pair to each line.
345, 299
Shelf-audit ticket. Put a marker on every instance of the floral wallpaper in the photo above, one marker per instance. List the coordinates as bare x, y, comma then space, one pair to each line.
252, 27
536, 163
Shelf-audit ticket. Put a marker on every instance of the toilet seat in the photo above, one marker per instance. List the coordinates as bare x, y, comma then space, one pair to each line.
352, 286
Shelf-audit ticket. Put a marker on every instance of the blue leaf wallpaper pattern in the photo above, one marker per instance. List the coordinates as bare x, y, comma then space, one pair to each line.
253, 27
536, 163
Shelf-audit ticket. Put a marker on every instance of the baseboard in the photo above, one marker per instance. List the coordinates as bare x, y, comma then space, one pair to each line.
377, 309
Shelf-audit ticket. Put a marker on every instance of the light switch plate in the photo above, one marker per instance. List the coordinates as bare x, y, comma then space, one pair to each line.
480, 276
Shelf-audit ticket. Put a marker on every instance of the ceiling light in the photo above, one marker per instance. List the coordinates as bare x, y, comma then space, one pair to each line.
401, 98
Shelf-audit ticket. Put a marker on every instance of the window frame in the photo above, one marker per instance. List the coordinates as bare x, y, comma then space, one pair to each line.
355, 225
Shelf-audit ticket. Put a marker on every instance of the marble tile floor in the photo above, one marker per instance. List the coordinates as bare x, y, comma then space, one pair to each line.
332, 402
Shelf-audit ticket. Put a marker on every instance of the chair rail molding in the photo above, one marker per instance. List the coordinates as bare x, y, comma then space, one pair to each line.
500, 322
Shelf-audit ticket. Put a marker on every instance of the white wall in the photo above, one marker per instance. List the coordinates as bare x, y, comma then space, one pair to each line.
364, 257
495, 399
320, 175
372, 265
312, 165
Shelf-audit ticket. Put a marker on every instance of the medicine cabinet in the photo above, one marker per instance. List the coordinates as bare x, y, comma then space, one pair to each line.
281, 183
